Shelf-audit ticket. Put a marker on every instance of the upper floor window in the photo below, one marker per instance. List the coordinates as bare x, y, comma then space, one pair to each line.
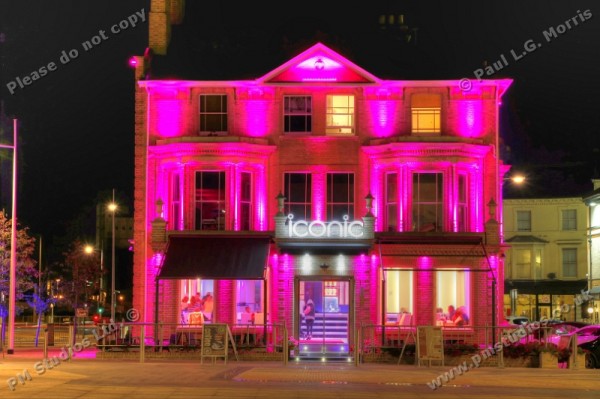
210, 200
523, 220
245, 215
297, 114
391, 201
427, 202
569, 262
298, 194
340, 196
569, 219
340, 114
522, 263
213, 113
426, 113
462, 214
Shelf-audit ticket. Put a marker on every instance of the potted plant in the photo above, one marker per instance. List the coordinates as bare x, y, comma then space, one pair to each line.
549, 356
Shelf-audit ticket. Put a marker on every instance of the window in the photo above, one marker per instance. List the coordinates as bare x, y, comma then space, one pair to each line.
462, 205
569, 262
427, 202
522, 263
245, 201
297, 114
197, 301
340, 115
297, 191
210, 200
523, 220
453, 305
391, 201
340, 196
399, 296
569, 219
426, 113
538, 263
249, 301
175, 217
213, 113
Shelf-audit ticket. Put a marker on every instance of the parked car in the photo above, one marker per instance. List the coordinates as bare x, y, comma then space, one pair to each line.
553, 329
517, 320
588, 339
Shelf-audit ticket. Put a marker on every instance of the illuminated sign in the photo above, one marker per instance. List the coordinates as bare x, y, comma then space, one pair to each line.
319, 229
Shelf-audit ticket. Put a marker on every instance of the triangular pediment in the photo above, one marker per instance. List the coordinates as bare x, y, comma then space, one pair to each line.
319, 64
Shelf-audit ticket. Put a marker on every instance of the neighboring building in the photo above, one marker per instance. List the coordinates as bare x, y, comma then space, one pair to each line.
546, 263
377, 199
592, 200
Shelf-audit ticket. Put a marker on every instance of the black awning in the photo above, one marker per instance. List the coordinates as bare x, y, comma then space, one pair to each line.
216, 257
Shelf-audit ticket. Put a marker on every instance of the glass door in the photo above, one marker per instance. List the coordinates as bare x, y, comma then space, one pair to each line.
324, 309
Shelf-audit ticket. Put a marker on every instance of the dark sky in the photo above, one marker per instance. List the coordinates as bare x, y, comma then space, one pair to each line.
76, 123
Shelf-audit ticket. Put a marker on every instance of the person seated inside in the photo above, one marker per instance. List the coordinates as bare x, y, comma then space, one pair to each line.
207, 303
196, 304
248, 316
460, 317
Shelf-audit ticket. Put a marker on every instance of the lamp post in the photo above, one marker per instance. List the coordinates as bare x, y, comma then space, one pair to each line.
112, 208
13, 246
89, 249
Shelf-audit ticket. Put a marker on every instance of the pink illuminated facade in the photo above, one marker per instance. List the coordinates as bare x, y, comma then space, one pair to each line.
375, 198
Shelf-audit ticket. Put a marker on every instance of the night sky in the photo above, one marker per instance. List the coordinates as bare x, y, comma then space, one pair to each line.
76, 123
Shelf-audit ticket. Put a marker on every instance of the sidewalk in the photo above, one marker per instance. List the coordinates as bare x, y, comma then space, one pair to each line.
85, 376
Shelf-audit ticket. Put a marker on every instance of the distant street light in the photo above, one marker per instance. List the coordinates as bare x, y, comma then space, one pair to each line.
112, 208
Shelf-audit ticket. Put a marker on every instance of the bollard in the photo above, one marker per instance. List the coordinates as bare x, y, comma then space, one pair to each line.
142, 345
357, 348
71, 335
45, 343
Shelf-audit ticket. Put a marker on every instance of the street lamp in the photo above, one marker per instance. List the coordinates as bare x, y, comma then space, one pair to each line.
89, 249
13, 246
112, 208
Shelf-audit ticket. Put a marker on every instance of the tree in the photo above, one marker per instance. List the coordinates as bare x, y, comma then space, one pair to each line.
26, 271
40, 305
81, 274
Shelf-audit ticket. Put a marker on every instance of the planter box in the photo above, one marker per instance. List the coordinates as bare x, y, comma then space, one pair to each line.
580, 362
548, 360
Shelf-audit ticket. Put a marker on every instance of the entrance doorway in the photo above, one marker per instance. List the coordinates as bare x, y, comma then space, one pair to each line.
328, 337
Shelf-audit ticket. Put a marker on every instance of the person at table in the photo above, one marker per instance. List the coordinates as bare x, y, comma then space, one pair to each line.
196, 303
208, 304
248, 315
460, 317
451, 313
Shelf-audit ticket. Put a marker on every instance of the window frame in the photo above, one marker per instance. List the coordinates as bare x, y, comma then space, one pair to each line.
438, 203
289, 204
565, 263
221, 112
219, 219
569, 219
291, 116
522, 223
333, 189
334, 111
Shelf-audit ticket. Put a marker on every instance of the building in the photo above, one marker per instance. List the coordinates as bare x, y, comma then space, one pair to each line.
376, 199
592, 201
546, 264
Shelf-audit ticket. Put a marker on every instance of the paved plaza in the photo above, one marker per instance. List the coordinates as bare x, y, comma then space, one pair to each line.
87, 377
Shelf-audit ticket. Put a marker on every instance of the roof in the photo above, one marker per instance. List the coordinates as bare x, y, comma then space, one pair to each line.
529, 239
